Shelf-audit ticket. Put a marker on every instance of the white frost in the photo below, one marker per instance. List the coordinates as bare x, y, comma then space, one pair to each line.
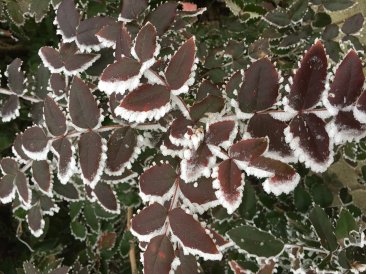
279, 187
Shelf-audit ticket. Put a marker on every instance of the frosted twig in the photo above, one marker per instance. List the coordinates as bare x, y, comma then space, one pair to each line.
25, 97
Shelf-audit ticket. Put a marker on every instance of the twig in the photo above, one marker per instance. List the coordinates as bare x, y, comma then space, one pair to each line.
317, 250
25, 97
132, 251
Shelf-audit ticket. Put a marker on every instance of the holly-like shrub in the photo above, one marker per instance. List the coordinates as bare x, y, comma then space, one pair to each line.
235, 157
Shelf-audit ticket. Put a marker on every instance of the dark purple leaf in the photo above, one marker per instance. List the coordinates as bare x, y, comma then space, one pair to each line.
207, 88
17, 148
83, 108
61, 270
263, 125
260, 88
180, 66
54, 117
35, 143
58, 84
7, 189
67, 192
51, 59
22, 187
163, 16
48, 206
79, 62
198, 195
233, 85
16, 77
87, 29
188, 263
35, 220
66, 162
209, 104
198, 164
107, 240
197, 241
120, 76
156, 182
149, 222
10, 108
147, 102
91, 157
158, 256
122, 150
9, 166
283, 178
131, 9
106, 197
221, 133
360, 109
248, 149
42, 175
310, 141
229, 184
353, 24
145, 43
179, 128
309, 81
67, 18
348, 82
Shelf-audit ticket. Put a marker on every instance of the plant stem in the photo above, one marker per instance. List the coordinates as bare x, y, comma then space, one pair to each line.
25, 97
317, 250
132, 251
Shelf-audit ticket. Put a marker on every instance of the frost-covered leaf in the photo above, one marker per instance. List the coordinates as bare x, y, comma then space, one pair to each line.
107, 240
116, 35
39, 9
78, 230
263, 125
359, 111
236, 267
35, 143
207, 88
85, 35
233, 85
156, 183
178, 72
121, 76
221, 133
66, 162
9, 166
347, 84
278, 18
35, 220
67, 19
122, 150
345, 224
67, 192
10, 108
16, 77
84, 111
29, 268
145, 48
198, 164
17, 148
106, 197
248, 149
42, 176
255, 242
163, 16
353, 24
131, 9
147, 102
229, 183
323, 228
149, 222
210, 104
58, 84
91, 157
179, 127
54, 117
197, 241
308, 138
309, 80
337, 5
22, 187
298, 10
260, 88
159, 256
7, 188
200, 196
188, 263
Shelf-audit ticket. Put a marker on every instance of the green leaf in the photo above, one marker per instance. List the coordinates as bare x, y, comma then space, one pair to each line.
78, 230
39, 9
345, 224
91, 218
335, 5
248, 206
75, 209
321, 20
302, 199
298, 9
16, 10
255, 241
321, 194
323, 228
278, 18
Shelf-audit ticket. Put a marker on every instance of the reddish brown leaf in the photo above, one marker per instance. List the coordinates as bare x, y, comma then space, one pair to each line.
67, 18
221, 133
106, 197
156, 182
149, 222
158, 256
163, 16
9, 166
22, 187
35, 220
197, 241
35, 143
145, 43
107, 240
360, 109
10, 108
248, 149
42, 175
63, 148
58, 83
7, 188
207, 88
308, 83
209, 104
180, 66
16, 77
260, 88
131, 9
54, 117
188, 263
17, 148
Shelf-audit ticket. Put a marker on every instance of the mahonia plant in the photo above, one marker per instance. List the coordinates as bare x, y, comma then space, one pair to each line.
96, 124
